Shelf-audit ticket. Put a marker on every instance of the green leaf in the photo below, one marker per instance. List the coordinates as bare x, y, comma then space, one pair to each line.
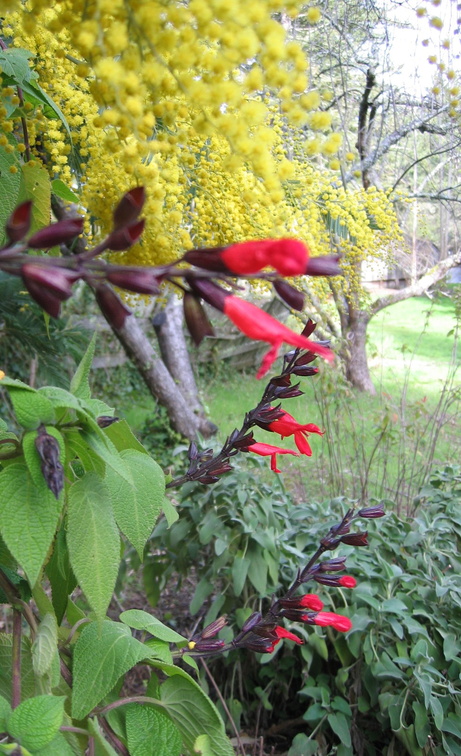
104, 448
30, 407
93, 540
170, 512
59, 397
36, 186
61, 190
14, 62
58, 747
45, 645
122, 437
452, 725
79, 384
240, 567
422, 725
103, 653
137, 506
9, 188
192, 712
340, 726
60, 575
140, 620
28, 518
21, 584
437, 712
151, 732
303, 746
257, 572
36, 721
5, 711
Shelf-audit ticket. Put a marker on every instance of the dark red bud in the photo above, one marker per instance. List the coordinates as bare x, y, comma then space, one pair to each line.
18, 223
333, 565
355, 539
297, 615
196, 319
287, 393
52, 470
309, 328
327, 265
305, 359
253, 620
289, 294
124, 238
137, 280
214, 628
372, 512
58, 233
208, 259
207, 646
44, 298
129, 207
259, 645
330, 580
244, 443
110, 305
305, 371
209, 291
105, 420
58, 281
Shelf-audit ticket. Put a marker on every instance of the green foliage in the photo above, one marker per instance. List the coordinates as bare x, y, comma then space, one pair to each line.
399, 665
71, 492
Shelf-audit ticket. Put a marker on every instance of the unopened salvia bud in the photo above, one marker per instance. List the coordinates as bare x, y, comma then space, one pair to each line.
289, 294
331, 580
333, 565
214, 627
140, 281
18, 223
297, 615
207, 646
355, 539
305, 371
209, 291
207, 258
257, 644
196, 319
327, 265
372, 512
57, 233
251, 622
44, 297
58, 281
287, 393
309, 328
124, 238
111, 306
129, 207
52, 469
105, 420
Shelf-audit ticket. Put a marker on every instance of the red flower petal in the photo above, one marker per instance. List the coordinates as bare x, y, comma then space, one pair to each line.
324, 619
282, 633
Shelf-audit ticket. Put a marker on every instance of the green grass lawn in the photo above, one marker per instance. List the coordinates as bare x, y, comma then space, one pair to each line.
410, 353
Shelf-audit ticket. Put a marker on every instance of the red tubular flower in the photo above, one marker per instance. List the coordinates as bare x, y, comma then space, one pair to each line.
308, 601
259, 325
324, 619
347, 581
288, 426
288, 256
282, 633
266, 450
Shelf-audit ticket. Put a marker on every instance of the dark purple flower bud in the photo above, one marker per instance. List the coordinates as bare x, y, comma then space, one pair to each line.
305, 359
245, 442
296, 615
52, 470
44, 298
333, 565
289, 294
105, 420
137, 280
207, 479
330, 542
196, 319
309, 328
259, 645
58, 233
214, 628
219, 468
129, 207
287, 393
193, 451
110, 305
267, 415
331, 580
327, 265
253, 620
209, 291
372, 512
280, 380
18, 223
124, 238
355, 539
304, 371
58, 281
208, 646
208, 259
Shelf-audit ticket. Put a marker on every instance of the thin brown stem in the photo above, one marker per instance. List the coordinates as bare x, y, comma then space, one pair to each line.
116, 742
16, 654
130, 700
224, 705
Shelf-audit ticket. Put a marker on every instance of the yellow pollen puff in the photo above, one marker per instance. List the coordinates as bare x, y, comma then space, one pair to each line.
320, 121
313, 15
310, 100
350, 157
421, 12
436, 22
13, 169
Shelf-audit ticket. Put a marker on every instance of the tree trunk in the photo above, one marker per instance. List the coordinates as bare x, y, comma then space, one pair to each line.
355, 353
158, 379
168, 326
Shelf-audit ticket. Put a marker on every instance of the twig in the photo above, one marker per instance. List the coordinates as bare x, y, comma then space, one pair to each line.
224, 705
16, 655
116, 742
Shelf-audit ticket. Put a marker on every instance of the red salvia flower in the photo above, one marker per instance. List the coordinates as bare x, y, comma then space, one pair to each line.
324, 619
308, 601
347, 581
260, 326
288, 426
282, 633
266, 450
288, 257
